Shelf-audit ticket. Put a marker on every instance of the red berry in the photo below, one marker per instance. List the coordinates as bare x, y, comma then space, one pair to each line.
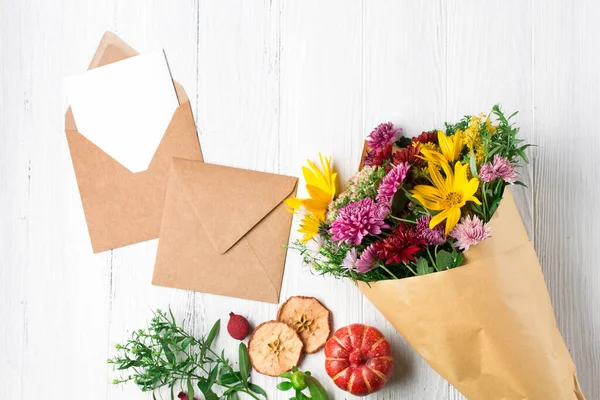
238, 326
184, 396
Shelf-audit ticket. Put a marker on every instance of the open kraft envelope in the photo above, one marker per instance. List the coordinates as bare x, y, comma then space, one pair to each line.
223, 231
122, 207
487, 326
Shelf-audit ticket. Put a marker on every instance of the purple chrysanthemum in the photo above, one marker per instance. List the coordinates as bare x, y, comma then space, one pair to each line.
357, 220
365, 263
432, 237
470, 231
383, 134
501, 168
391, 182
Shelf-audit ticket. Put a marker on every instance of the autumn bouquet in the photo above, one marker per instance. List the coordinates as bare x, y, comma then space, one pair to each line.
431, 234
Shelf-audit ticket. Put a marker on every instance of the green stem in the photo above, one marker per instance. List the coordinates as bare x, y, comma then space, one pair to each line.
484, 208
431, 259
410, 269
408, 221
388, 271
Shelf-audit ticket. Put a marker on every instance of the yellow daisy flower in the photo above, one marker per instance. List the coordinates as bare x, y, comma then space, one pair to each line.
448, 195
450, 147
320, 186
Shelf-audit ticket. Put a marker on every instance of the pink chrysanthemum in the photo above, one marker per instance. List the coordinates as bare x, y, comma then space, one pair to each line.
432, 237
350, 260
382, 135
357, 220
366, 260
391, 182
470, 231
501, 168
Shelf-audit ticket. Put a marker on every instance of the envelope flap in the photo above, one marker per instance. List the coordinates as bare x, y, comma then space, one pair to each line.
230, 201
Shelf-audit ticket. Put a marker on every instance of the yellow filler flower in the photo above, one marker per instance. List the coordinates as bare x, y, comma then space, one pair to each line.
447, 195
451, 146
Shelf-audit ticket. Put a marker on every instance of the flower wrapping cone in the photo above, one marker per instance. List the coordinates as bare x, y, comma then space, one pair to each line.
487, 326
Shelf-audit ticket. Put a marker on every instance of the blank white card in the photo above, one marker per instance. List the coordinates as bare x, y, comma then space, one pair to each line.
125, 107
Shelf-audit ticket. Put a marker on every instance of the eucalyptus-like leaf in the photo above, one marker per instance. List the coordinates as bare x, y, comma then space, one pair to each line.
257, 389
244, 361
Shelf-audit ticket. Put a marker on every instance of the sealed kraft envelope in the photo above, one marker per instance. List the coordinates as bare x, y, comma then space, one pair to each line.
223, 231
122, 207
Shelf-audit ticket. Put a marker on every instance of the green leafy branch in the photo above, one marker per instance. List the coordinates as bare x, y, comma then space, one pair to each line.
164, 355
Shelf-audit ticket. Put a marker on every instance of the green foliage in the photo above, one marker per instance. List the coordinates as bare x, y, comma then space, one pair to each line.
298, 381
164, 355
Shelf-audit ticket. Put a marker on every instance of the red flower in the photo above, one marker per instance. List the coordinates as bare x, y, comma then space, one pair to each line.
407, 155
400, 246
378, 156
426, 137
184, 396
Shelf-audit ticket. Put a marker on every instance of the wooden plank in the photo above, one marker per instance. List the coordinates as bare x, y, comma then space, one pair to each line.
321, 111
566, 86
238, 72
65, 307
489, 62
404, 81
149, 26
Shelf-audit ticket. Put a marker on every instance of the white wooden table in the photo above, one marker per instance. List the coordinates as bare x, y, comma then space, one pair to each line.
272, 83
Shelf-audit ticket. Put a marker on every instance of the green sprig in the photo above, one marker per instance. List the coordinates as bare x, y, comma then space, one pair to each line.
165, 355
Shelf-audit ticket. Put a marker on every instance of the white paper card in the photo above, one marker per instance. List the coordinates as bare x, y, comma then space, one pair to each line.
125, 107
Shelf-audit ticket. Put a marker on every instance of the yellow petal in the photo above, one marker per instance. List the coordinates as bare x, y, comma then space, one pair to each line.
452, 220
294, 203
449, 186
445, 145
429, 192
473, 199
437, 219
318, 194
471, 187
431, 205
437, 179
458, 144
460, 177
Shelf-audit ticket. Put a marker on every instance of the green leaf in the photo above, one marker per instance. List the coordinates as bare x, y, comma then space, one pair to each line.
257, 389
190, 389
287, 375
520, 183
211, 337
283, 386
232, 396
230, 378
404, 141
423, 267
523, 156
186, 342
444, 260
168, 352
245, 367
473, 164
317, 391
300, 395
212, 377
399, 202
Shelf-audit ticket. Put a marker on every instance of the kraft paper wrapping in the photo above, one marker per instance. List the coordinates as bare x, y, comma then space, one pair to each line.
487, 326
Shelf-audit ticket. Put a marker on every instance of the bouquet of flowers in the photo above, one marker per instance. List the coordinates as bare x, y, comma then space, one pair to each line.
431, 234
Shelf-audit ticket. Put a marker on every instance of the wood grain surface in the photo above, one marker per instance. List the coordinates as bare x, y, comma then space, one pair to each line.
273, 83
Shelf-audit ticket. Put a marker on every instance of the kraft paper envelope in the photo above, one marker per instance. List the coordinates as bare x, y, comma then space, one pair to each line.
223, 231
122, 207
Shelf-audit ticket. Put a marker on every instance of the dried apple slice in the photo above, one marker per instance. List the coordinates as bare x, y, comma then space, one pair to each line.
309, 318
274, 348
